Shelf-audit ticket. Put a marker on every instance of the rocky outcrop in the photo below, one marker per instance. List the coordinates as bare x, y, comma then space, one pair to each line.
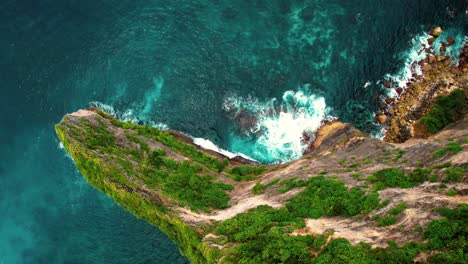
440, 77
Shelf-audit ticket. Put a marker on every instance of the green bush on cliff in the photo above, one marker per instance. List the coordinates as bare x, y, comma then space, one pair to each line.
168, 140
450, 235
394, 177
182, 181
264, 232
446, 110
247, 172
330, 198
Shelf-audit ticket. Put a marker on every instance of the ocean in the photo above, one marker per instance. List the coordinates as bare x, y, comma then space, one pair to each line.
247, 76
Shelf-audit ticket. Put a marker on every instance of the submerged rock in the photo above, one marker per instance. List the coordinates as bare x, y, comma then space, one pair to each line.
450, 41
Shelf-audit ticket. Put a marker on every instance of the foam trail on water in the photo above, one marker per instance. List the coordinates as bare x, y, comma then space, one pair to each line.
153, 95
209, 145
276, 131
128, 115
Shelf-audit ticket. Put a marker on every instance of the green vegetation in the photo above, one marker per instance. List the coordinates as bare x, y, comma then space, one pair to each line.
260, 188
290, 184
357, 176
354, 165
449, 234
446, 110
398, 209
247, 172
185, 182
170, 141
110, 179
399, 154
454, 174
386, 220
149, 182
453, 147
262, 233
394, 177
451, 192
392, 217
330, 198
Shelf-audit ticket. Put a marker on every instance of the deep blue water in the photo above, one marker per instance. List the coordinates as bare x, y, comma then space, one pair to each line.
202, 67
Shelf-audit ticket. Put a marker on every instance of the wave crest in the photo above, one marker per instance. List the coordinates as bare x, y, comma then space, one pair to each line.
276, 131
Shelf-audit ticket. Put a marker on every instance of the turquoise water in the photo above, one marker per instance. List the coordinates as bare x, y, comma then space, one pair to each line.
247, 75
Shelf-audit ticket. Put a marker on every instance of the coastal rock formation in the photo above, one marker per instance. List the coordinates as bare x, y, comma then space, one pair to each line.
441, 77
350, 189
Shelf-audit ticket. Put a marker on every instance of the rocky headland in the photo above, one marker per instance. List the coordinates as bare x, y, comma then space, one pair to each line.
351, 199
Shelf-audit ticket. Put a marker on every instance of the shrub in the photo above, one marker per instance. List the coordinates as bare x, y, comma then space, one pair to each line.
392, 177
454, 174
419, 175
446, 110
449, 232
387, 220
329, 197
451, 192
398, 209
247, 172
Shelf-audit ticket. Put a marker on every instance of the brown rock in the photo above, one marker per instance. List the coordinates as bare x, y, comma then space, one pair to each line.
450, 41
431, 59
447, 62
389, 100
381, 118
388, 84
431, 40
427, 67
421, 62
383, 106
440, 58
436, 32
399, 90
443, 49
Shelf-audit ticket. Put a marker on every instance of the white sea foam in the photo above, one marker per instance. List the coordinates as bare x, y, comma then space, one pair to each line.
209, 145
417, 52
413, 54
275, 131
128, 115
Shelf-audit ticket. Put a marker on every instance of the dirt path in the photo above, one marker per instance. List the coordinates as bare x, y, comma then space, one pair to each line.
220, 215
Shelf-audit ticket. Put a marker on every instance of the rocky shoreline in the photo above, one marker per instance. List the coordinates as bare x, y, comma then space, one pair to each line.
439, 76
